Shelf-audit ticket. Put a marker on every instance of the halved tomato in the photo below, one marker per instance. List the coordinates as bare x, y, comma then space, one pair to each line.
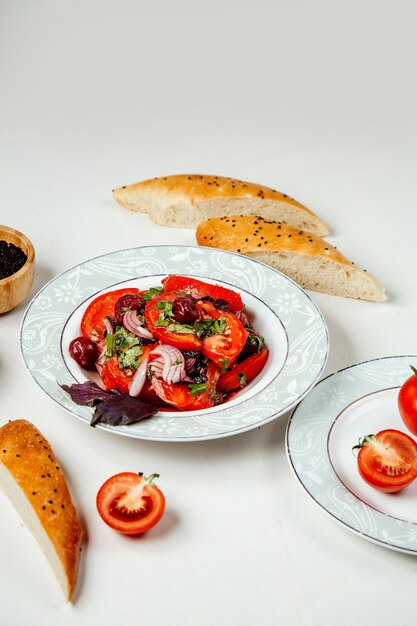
243, 372
116, 378
223, 349
92, 323
186, 398
199, 289
387, 460
130, 503
154, 312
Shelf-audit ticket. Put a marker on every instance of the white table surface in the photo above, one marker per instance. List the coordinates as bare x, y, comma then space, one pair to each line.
315, 99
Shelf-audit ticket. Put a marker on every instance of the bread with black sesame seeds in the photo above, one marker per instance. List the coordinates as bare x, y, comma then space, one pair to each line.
33, 480
185, 200
308, 260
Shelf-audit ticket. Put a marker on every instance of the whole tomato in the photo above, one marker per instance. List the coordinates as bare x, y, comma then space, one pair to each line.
407, 402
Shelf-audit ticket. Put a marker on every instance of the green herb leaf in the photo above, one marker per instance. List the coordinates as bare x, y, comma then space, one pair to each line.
242, 378
196, 388
153, 291
224, 365
129, 359
182, 329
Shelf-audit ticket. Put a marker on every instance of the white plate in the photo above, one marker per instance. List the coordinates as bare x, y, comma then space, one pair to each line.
291, 323
357, 401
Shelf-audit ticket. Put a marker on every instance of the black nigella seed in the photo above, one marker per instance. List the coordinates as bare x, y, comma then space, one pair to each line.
12, 259
50, 501
18, 455
238, 249
55, 490
44, 507
62, 506
33, 493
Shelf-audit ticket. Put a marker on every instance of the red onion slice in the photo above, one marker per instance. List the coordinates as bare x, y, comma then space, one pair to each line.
163, 366
108, 325
138, 380
133, 324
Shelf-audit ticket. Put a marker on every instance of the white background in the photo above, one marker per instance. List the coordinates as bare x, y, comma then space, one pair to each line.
317, 99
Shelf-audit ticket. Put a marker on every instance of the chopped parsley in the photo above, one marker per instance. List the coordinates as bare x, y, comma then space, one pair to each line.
196, 388
126, 346
242, 378
153, 291
224, 365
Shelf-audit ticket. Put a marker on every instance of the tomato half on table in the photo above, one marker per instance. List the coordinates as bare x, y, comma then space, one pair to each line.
183, 341
199, 289
407, 402
180, 395
243, 372
387, 460
223, 349
92, 323
130, 503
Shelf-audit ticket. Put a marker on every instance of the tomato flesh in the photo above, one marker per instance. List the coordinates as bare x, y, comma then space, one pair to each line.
407, 403
183, 341
224, 349
199, 289
130, 503
243, 372
179, 395
388, 460
92, 323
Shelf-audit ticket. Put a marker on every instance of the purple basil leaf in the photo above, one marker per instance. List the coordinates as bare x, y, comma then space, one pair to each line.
87, 394
122, 410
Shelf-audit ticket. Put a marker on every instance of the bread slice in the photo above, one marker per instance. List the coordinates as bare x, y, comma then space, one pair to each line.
187, 199
309, 260
33, 480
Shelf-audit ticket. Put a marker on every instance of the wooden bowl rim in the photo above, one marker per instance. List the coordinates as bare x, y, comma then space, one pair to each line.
30, 254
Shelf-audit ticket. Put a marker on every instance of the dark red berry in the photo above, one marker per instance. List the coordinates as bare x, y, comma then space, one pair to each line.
128, 302
84, 352
185, 310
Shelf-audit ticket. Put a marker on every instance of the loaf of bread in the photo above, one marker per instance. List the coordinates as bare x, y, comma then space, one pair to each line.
33, 480
187, 199
308, 260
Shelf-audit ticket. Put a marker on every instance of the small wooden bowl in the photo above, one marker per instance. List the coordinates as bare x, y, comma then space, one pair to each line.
16, 287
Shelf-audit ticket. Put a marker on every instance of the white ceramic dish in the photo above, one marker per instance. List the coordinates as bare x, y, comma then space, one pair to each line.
357, 401
291, 323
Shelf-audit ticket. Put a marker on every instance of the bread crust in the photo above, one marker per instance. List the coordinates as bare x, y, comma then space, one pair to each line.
254, 236
29, 458
216, 194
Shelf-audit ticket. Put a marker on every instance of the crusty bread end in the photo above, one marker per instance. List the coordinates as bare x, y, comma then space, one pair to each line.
185, 200
309, 260
33, 480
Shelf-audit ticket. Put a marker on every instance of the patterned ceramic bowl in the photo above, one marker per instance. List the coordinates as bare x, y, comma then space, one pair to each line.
291, 323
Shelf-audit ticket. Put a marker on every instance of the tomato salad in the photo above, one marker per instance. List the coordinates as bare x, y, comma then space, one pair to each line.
185, 345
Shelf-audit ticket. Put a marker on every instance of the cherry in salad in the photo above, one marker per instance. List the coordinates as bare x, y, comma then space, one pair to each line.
185, 345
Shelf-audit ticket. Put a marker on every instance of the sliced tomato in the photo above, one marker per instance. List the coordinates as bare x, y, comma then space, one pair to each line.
183, 341
199, 289
388, 460
243, 372
407, 402
224, 349
116, 378
92, 323
130, 503
180, 395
